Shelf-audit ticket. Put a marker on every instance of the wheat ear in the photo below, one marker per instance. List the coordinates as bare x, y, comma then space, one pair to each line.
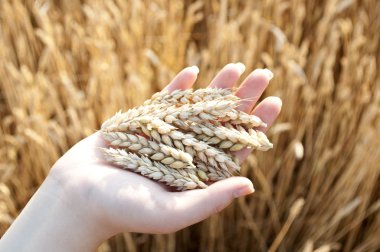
227, 137
198, 112
168, 134
167, 155
183, 179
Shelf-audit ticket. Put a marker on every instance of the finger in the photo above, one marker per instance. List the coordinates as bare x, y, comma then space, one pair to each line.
193, 206
252, 88
228, 76
268, 110
184, 79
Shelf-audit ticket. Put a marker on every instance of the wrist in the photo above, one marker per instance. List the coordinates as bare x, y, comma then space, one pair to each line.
53, 220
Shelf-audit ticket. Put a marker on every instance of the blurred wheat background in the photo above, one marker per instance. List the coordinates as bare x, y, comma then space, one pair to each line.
65, 66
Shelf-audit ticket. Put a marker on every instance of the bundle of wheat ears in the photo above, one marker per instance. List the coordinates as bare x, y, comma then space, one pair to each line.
185, 139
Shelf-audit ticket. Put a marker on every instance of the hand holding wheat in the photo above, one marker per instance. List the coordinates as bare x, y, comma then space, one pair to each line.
88, 200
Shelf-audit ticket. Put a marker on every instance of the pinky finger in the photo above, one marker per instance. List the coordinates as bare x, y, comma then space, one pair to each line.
268, 110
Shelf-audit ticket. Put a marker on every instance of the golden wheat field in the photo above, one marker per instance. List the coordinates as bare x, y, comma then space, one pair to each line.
66, 66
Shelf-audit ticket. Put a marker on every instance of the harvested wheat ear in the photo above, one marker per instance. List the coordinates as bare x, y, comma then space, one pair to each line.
184, 139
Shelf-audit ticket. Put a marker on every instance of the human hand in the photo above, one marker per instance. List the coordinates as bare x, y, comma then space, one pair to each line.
114, 200
134, 203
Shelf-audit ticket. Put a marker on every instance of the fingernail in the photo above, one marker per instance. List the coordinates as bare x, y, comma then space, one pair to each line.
268, 73
195, 69
277, 100
241, 67
244, 190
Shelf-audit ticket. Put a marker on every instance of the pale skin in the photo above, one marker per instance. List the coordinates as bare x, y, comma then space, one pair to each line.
84, 201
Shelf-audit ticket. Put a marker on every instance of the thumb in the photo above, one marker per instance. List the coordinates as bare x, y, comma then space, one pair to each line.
196, 205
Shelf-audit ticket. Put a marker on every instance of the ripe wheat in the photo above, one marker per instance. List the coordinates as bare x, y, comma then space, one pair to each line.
184, 138
182, 179
189, 96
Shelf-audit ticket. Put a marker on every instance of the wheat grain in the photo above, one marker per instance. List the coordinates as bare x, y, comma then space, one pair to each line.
189, 96
212, 173
240, 118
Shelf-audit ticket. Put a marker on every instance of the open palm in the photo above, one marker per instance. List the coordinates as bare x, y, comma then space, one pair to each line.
124, 201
